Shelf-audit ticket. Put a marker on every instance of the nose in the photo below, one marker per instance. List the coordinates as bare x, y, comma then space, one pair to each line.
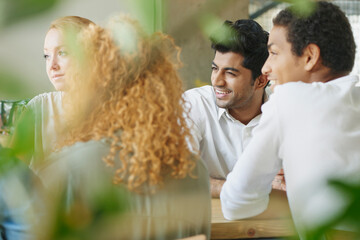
266, 69
217, 79
54, 63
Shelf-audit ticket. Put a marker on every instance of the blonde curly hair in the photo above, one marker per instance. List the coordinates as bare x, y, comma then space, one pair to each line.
75, 23
123, 86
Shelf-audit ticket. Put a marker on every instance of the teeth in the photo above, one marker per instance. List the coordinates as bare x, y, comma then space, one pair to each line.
221, 92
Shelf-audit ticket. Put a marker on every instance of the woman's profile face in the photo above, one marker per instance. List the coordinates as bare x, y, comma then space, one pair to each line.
56, 57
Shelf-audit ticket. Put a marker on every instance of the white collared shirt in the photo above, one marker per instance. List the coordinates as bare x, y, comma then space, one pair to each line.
220, 138
313, 130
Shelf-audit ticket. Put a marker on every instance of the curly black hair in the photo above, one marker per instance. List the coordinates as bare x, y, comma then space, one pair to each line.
245, 37
328, 28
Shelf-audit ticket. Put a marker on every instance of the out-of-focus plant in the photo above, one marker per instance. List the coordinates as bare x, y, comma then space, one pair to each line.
17, 188
12, 11
150, 14
212, 26
301, 7
90, 215
349, 217
77, 222
10, 111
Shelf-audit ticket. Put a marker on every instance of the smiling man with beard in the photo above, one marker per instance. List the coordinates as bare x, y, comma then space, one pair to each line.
224, 114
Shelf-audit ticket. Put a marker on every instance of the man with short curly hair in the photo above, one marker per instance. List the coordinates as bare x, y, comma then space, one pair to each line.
310, 125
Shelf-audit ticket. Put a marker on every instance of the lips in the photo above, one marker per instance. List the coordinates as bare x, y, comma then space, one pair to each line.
56, 76
221, 93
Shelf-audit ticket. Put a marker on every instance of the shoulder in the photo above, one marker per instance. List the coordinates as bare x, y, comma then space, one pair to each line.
201, 98
90, 148
288, 94
45, 98
316, 91
205, 92
49, 96
84, 153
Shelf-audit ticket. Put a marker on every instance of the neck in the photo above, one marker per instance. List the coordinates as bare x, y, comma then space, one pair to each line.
246, 113
324, 75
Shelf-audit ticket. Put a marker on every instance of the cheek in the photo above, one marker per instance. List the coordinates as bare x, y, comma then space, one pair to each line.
237, 85
47, 67
212, 78
65, 63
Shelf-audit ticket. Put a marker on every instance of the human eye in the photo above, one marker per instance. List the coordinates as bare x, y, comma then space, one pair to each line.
213, 68
46, 56
272, 52
62, 53
231, 73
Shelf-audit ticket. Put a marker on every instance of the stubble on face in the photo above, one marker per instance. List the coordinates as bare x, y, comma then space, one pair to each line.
233, 84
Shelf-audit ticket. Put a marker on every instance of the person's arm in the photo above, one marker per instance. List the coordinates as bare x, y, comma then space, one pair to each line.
246, 190
279, 182
216, 186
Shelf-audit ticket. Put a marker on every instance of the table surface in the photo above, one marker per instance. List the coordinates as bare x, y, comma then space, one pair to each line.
275, 221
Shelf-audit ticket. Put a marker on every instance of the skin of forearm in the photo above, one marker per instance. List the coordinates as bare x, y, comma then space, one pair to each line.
215, 187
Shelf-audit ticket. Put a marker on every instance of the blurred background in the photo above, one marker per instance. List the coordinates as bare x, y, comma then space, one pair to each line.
24, 23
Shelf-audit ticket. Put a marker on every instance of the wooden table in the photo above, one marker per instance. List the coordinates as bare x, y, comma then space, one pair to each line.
274, 222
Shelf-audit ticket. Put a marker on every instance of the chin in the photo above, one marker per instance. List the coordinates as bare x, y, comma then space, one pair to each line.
59, 87
221, 104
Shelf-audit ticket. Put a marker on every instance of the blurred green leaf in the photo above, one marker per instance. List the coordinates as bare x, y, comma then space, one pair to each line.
209, 24
350, 216
76, 50
10, 111
13, 11
150, 14
7, 160
23, 139
302, 8
88, 215
215, 29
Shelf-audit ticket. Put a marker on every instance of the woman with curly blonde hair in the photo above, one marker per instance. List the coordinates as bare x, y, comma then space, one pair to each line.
126, 124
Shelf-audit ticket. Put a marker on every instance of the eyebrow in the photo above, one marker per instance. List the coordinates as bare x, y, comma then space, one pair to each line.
227, 68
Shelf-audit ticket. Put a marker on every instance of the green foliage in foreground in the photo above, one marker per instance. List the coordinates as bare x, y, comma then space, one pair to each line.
13, 11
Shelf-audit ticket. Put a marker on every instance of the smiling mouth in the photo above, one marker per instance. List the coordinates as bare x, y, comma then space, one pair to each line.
222, 93
271, 78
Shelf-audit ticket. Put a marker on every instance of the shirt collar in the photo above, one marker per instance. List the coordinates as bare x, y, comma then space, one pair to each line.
223, 112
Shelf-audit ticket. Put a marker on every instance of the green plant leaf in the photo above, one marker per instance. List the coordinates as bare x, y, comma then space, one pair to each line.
13, 11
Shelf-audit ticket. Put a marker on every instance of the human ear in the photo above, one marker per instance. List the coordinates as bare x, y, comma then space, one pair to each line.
312, 56
261, 81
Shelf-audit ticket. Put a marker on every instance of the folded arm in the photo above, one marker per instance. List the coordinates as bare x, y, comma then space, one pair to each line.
247, 188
